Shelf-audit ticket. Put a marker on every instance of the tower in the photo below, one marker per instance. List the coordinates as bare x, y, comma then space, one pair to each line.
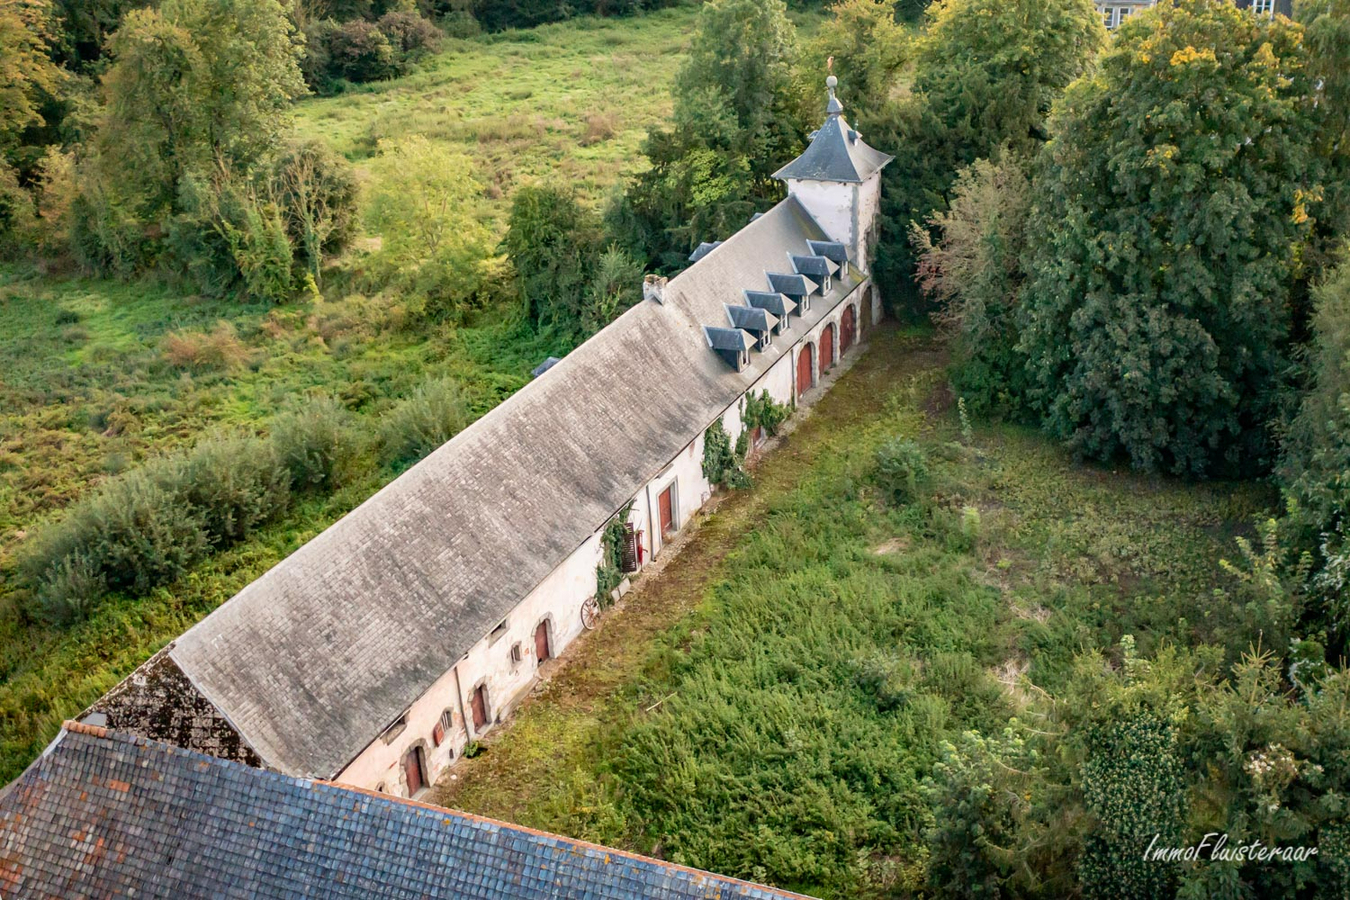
838, 179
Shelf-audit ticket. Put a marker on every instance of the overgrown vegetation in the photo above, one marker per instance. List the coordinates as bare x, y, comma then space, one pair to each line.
723, 461
1007, 680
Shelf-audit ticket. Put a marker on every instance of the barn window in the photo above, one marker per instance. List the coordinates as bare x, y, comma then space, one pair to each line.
443, 727
517, 653
497, 633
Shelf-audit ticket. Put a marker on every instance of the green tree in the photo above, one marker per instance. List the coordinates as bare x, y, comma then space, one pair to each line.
425, 211
1169, 208
973, 269
734, 125
1316, 464
195, 84
868, 47
985, 75
552, 242
1327, 38
26, 70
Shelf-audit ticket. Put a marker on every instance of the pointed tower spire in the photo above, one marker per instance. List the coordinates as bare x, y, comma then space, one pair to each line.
838, 179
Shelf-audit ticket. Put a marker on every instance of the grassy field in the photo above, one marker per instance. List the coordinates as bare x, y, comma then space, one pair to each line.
96, 376
770, 704
568, 103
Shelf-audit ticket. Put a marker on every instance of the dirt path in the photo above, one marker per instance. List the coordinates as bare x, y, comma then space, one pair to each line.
584, 693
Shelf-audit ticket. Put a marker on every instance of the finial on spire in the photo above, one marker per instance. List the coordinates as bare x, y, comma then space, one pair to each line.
833, 107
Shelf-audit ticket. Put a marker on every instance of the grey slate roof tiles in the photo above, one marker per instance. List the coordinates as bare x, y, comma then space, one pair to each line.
728, 338
836, 153
794, 285
750, 318
102, 814
703, 250
316, 657
771, 301
831, 250
817, 268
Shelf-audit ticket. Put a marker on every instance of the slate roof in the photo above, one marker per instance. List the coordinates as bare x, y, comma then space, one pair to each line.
544, 366
831, 250
815, 267
836, 152
703, 250
317, 657
793, 285
728, 338
774, 302
102, 814
750, 318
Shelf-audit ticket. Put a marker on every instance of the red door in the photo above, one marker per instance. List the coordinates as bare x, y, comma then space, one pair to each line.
804, 370
827, 348
412, 770
479, 704
666, 504
541, 642
846, 330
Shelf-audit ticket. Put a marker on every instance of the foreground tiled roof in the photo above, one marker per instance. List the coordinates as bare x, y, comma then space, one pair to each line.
106, 814
321, 654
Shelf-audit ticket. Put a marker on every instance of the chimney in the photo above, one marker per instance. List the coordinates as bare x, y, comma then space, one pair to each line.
654, 288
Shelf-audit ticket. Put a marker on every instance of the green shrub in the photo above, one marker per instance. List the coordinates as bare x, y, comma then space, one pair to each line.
358, 51
434, 414
722, 463
70, 589
411, 35
316, 191
760, 411
133, 532
317, 445
901, 467
236, 484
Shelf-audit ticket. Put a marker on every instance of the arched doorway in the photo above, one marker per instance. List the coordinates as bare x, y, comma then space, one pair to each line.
827, 347
414, 771
804, 370
541, 647
847, 327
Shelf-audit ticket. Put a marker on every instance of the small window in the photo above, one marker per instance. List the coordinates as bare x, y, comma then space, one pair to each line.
443, 727
497, 633
1264, 7
826, 289
517, 653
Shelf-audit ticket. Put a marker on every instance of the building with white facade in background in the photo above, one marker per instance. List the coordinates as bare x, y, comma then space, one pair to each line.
1115, 12
378, 651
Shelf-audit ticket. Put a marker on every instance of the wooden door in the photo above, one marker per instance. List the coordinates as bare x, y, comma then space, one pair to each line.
846, 330
479, 704
804, 370
412, 770
666, 504
541, 642
827, 348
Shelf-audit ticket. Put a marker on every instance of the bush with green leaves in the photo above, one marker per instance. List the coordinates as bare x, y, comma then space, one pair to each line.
723, 462
970, 263
985, 75
901, 467
317, 444
237, 484
1156, 316
762, 411
1315, 470
436, 412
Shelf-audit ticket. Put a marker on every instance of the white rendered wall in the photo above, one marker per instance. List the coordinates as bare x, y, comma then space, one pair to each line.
831, 204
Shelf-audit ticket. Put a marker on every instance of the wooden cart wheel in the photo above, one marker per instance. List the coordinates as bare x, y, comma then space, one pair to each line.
590, 612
